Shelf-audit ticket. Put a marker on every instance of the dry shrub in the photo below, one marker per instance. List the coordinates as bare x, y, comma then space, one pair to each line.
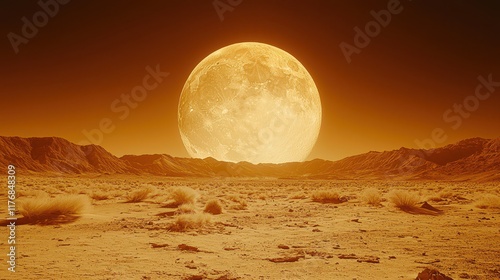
190, 221
139, 195
404, 200
213, 207
488, 201
184, 195
99, 195
443, 195
241, 203
298, 195
326, 196
186, 209
46, 207
371, 196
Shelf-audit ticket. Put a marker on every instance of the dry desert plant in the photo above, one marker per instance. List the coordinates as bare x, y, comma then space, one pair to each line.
241, 203
298, 195
186, 209
371, 196
442, 195
190, 221
99, 195
184, 195
488, 201
46, 207
326, 196
213, 207
404, 200
139, 195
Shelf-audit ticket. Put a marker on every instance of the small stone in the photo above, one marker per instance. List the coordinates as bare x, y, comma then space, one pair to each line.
464, 276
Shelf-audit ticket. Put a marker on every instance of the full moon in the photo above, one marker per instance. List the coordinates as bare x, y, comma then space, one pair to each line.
250, 102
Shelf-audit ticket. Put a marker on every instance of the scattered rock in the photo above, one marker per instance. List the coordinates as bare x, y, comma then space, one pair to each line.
430, 207
432, 274
369, 259
191, 265
348, 256
281, 246
428, 262
316, 230
184, 247
157, 245
315, 253
195, 277
464, 276
286, 259
355, 220
392, 257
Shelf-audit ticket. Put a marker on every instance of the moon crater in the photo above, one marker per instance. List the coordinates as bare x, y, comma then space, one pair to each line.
250, 102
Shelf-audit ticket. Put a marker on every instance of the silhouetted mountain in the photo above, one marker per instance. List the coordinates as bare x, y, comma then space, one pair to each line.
470, 159
52, 154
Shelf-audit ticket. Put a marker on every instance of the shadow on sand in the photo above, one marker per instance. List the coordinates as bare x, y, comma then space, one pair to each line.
43, 220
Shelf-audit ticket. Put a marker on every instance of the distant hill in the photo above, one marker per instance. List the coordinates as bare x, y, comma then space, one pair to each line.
52, 154
473, 159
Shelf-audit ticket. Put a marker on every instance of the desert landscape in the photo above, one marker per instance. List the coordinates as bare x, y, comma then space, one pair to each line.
147, 226
252, 140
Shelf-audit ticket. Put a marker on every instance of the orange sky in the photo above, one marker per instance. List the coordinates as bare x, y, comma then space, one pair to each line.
395, 91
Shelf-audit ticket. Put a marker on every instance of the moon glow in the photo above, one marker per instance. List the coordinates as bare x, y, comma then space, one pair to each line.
250, 102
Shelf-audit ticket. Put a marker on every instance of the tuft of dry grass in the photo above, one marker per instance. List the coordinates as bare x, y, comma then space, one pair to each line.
371, 196
488, 201
139, 195
443, 195
213, 207
326, 196
190, 221
184, 195
404, 200
241, 203
186, 209
298, 195
99, 195
46, 207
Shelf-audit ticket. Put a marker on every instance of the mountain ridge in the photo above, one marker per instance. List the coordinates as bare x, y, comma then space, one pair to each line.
470, 159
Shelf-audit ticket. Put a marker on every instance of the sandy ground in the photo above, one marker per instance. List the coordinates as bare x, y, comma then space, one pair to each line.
263, 224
